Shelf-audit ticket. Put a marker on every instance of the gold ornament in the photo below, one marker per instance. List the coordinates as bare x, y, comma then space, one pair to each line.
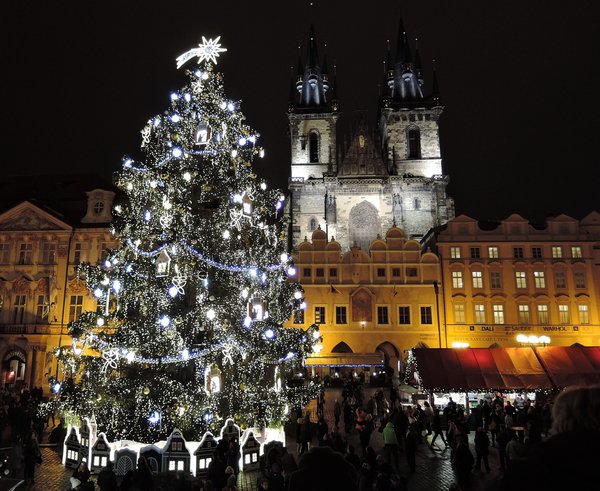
146, 391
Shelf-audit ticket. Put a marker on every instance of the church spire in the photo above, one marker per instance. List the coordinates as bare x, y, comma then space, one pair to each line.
418, 65
435, 89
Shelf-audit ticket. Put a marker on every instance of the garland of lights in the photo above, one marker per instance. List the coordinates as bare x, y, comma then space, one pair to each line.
191, 305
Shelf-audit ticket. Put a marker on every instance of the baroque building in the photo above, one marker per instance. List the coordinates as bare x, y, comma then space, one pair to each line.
356, 191
48, 225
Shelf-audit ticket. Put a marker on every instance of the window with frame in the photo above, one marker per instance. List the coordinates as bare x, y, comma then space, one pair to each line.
521, 279
306, 272
459, 313
313, 224
479, 313
536, 252
299, 316
498, 311
333, 272
414, 144
319, 272
426, 317
560, 279
25, 253
563, 313
584, 313
77, 253
539, 278
48, 252
380, 272
382, 314
475, 253
557, 252
19, 309
493, 252
576, 252
457, 279
4, 253
75, 307
313, 147
579, 279
404, 314
495, 279
477, 278
455, 252
320, 315
412, 272
542, 313
42, 308
524, 314
340, 314
518, 253
395, 272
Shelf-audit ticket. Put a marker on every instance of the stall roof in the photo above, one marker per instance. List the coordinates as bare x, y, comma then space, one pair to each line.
346, 360
572, 365
480, 369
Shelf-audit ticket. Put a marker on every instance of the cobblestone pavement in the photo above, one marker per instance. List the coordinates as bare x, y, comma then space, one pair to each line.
433, 472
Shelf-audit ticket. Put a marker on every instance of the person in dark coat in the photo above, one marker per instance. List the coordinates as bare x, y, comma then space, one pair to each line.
463, 464
321, 469
143, 475
107, 479
482, 444
436, 426
305, 434
31, 456
216, 471
352, 458
569, 458
410, 448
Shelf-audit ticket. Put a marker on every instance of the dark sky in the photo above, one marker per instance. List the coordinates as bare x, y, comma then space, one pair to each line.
519, 80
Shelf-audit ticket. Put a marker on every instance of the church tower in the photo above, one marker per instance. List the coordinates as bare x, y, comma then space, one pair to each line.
313, 114
392, 176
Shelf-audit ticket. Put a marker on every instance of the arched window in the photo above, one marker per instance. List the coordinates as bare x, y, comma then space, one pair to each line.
417, 204
313, 147
313, 224
414, 143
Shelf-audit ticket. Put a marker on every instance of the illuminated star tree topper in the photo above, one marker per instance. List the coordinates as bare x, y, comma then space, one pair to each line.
208, 49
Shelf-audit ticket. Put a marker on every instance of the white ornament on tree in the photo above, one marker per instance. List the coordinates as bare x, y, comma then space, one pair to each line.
208, 49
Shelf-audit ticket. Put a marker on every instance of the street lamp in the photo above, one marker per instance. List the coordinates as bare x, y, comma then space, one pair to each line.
533, 340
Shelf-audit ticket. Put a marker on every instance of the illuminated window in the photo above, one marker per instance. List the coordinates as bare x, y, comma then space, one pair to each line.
42, 308
426, 315
382, 314
479, 313
477, 277
539, 278
560, 279
518, 252
542, 312
19, 309
340, 314
557, 252
75, 307
579, 277
498, 313
77, 253
521, 279
403, 314
457, 279
459, 313
584, 314
576, 252
25, 253
320, 315
495, 279
455, 252
493, 252
475, 253
536, 252
524, 314
563, 314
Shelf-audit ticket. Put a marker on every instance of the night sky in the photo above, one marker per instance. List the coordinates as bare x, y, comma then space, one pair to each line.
519, 80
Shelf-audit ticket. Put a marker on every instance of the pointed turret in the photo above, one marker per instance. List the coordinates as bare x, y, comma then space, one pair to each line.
418, 65
435, 89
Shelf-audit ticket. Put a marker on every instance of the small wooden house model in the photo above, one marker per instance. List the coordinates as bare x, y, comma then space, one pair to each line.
204, 454
72, 448
100, 454
175, 455
250, 453
125, 460
153, 456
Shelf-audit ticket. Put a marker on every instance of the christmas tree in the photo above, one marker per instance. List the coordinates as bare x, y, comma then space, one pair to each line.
189, 325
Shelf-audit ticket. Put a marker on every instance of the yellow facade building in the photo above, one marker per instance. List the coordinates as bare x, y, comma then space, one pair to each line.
371, 306
40, 293
511, 278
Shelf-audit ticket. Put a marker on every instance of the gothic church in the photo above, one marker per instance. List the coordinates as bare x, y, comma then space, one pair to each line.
357, 191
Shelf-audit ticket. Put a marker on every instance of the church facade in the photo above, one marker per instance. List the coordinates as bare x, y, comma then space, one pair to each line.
356, 190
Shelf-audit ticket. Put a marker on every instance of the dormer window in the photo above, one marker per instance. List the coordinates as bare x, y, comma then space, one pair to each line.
98, 207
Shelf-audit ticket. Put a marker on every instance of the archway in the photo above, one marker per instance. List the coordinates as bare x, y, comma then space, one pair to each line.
14, 365
363, 225
391, 356
342, 347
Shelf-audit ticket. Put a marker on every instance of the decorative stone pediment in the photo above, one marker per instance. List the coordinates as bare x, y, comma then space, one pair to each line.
28, 217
